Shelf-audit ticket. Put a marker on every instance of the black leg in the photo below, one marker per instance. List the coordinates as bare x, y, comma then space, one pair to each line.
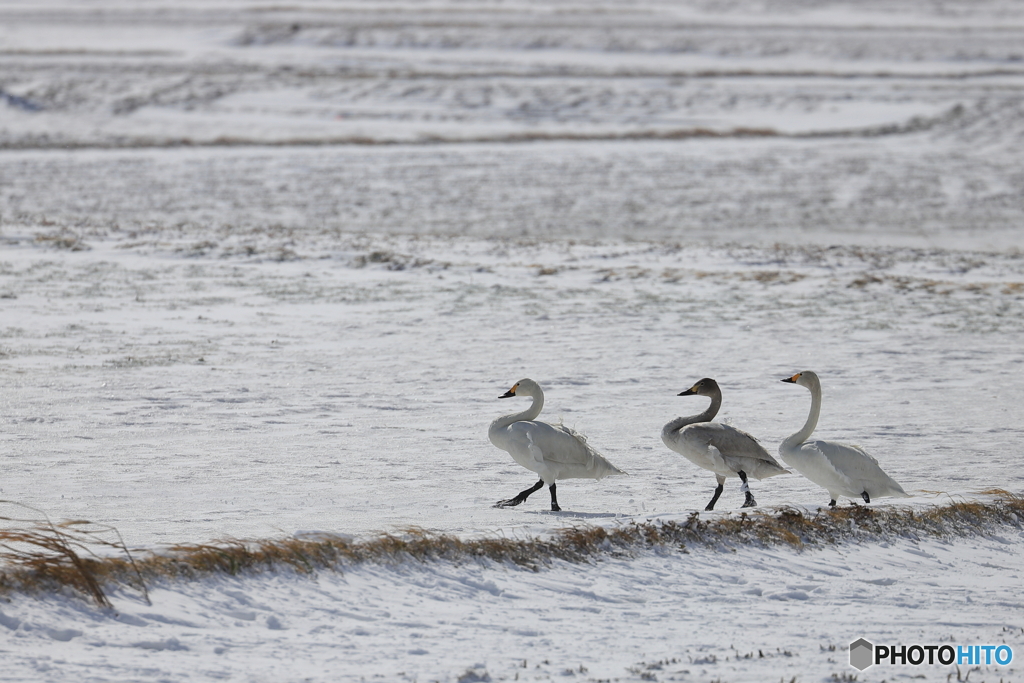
749, 502
866, 497
554, 498
832, 503
523, 495
714, 498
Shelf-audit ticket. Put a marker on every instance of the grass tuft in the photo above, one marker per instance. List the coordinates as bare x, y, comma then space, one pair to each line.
44, 556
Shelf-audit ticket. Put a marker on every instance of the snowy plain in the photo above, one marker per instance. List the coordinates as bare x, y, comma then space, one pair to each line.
264, 271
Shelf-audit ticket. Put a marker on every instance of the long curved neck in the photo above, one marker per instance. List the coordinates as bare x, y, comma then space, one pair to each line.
497, 428
675, 425
812, 420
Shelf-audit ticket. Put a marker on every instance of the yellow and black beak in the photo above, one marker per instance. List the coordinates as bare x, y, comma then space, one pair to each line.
689, 392
510, 393
793, 379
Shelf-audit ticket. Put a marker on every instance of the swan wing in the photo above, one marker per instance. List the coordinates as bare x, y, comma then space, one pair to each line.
734, 442
861, 468
847, 470
559, 450
727, 450
854, 462
545, 443
742, 451
525, 441
828, 465
596, 464
536, 452
694, 444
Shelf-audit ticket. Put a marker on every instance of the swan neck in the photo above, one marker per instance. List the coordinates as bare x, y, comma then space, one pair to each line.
812, 420
675, 425
531, 413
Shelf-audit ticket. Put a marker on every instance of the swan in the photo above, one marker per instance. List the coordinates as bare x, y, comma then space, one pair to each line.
725, 450
842, 470
552, 451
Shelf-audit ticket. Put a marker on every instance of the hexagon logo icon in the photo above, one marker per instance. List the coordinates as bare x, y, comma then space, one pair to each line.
862, 654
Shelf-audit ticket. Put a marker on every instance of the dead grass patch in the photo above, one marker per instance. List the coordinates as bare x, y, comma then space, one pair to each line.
37, 554
44, 556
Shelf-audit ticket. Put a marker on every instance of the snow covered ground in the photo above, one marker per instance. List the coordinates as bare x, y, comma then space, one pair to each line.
266, 269
756, 614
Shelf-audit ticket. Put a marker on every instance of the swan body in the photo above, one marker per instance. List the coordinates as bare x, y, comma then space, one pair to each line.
552, 451
725, 450
840, 469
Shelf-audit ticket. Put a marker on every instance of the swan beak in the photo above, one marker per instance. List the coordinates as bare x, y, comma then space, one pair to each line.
793, 379
510, 393
689, 392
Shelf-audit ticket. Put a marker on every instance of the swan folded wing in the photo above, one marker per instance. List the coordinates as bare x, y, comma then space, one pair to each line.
558, 450
734, 444
535, 451
580, 453
519, 437
545, 443
843, 465
715, 460
862, 467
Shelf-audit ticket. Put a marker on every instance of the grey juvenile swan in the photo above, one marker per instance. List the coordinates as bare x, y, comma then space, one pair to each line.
552, 451
725, 450
842, 470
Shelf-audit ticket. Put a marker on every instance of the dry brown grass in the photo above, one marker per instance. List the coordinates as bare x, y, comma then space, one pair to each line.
35, 553
44, 555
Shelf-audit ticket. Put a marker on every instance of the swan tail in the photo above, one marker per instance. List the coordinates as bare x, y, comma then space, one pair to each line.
894, 490
769, 470
597, 465
600, 466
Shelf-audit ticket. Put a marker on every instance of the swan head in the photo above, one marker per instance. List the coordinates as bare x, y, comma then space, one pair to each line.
524, 387
704, 387
807, 378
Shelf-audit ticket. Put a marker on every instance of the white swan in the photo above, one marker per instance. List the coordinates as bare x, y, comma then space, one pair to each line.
725, 450
842, 470
552, 451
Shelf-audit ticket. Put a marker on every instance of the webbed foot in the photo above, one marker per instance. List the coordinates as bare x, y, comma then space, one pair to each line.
520, 497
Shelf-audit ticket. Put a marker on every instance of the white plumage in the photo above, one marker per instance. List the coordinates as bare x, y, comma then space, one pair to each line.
552, 451
840, 469
725, 450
